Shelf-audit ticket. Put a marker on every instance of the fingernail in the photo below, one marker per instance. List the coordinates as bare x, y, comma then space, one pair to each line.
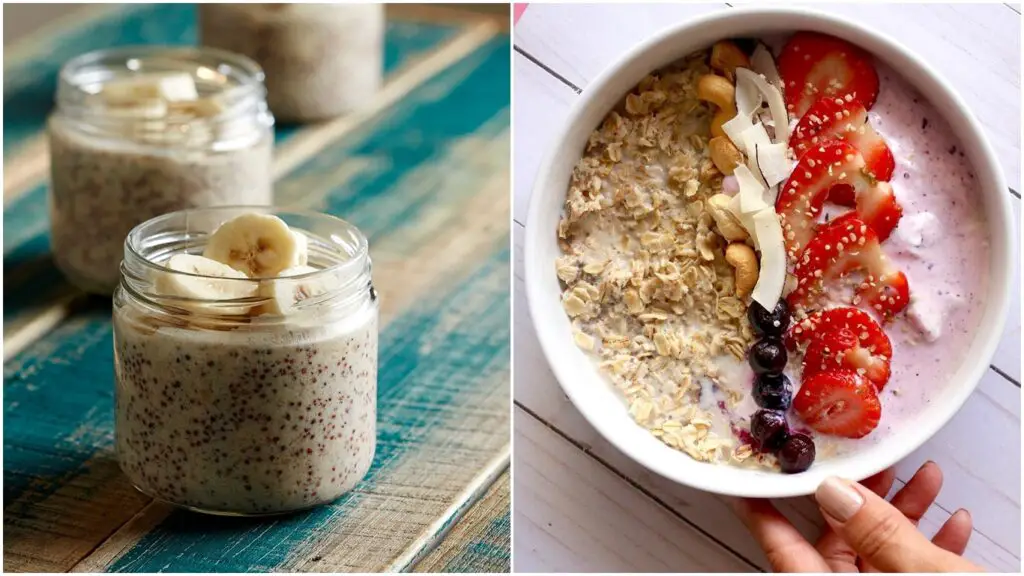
838, 498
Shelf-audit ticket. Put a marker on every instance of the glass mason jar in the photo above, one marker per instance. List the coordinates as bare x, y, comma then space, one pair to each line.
321, 60
224, 408
124, 147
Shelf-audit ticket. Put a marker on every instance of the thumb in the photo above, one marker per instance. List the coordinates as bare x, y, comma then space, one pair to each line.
880, 534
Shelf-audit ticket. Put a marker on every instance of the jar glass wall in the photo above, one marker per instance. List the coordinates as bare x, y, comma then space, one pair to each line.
321, 60
224, 407
142, 131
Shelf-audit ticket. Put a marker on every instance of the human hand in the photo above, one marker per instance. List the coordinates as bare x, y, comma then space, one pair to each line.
864, 532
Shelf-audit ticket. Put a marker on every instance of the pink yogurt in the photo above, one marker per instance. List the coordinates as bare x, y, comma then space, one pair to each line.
941, 244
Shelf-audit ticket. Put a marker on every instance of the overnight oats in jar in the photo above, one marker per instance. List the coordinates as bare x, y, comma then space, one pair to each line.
321, 60
140, 132
245, 344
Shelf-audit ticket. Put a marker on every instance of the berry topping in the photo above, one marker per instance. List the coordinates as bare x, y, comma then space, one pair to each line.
843, 119
773, 391
767, 355
818, 171
796, 454
842, 246
772, 323
855, 320
839, 402
769, 430
843, 348
813, 65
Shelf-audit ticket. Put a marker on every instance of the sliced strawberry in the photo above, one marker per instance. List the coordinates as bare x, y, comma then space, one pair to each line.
813, 65
819, 170
842, 246
842, 349
843, 119
878, 208
839, 402
843, 194
841, 319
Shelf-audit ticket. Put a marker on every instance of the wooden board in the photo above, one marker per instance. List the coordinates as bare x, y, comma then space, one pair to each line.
480, 542
426, 177
979, 449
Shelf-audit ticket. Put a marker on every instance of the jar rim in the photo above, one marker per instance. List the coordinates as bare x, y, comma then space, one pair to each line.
235, 81
253, 73
360, 249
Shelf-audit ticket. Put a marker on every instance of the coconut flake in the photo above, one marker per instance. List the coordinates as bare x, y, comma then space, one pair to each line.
762, 62
753, 137
735, 127
771, 95
748, 97
772, 277
773, 162
748, 201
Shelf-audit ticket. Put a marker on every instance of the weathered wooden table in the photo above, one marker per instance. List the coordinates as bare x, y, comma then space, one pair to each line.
582, 505
425, 175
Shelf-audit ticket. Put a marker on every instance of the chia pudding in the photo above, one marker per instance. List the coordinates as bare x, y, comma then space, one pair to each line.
321, 60
140, 132
234, 404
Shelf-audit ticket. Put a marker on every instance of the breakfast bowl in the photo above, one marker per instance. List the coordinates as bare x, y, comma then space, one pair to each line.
908, 427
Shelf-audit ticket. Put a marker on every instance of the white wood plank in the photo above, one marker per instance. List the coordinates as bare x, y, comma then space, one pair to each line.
543, 102
574, 515
976, 47
991, 499
579, 41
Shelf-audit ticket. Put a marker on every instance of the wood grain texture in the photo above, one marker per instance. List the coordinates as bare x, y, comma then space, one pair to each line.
442, 273
591, 519
480, 542
979, 449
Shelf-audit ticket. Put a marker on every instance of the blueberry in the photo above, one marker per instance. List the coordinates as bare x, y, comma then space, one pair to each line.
767, 355
773, 391
772, 323
796, 454
769, 430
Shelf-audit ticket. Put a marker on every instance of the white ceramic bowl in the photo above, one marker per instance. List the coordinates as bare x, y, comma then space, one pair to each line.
600, 403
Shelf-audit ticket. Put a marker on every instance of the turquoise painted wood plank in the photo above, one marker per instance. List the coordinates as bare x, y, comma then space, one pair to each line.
461, 88
29, 85
480, 541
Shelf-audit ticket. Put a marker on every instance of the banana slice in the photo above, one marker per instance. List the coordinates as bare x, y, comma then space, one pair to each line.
286, 292
302, 253
138, 88
213, 282
258, 245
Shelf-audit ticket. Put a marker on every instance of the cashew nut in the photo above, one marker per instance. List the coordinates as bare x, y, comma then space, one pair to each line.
724, 154
720, 117
728, 225
718, 91
742, 258
726, 57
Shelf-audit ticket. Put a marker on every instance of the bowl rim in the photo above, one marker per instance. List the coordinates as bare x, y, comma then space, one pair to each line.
991, 323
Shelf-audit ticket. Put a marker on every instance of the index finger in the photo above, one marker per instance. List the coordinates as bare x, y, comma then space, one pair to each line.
786, 549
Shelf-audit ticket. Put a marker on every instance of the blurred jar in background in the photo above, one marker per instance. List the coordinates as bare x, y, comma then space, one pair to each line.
141, 131
321, 60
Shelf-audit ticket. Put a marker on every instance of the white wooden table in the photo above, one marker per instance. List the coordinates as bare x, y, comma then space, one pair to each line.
580, 505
